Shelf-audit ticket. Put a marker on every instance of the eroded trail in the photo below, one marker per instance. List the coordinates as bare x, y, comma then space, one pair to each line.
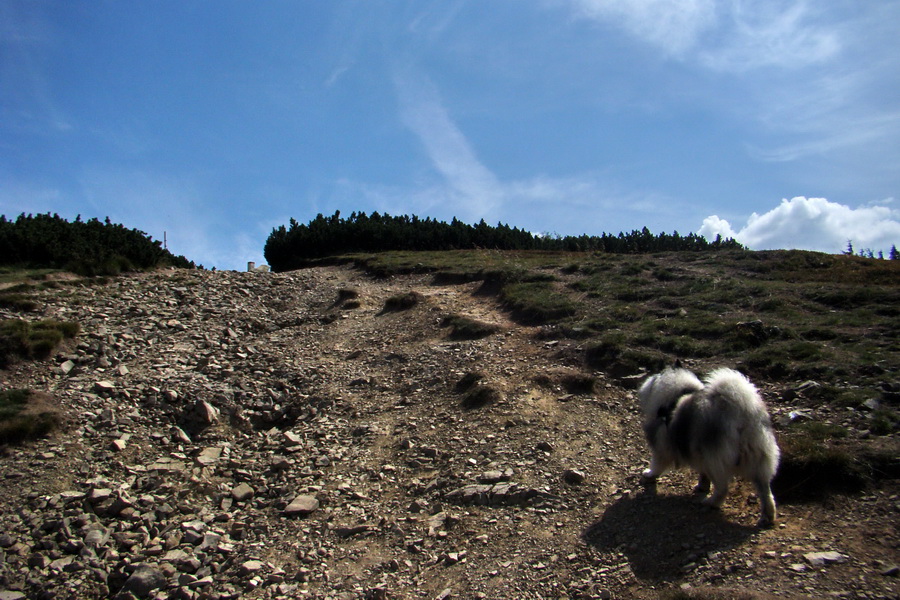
317, 390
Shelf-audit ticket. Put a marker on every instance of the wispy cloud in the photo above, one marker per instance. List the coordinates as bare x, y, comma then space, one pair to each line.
724, 36
27, 95
818, 78
473, 185
813, 224
757, 34
673, 26
472, 191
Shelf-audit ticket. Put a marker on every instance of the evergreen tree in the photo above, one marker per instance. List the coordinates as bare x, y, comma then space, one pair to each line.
292, 247
85, 247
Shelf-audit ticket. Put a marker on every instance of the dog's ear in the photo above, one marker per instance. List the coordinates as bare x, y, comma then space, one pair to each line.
678, 364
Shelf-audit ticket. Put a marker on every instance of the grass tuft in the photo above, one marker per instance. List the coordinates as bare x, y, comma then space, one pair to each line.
18, 302
401, 302
464, 328
537, 302
21, 419
480, 395
32, 340
468, 381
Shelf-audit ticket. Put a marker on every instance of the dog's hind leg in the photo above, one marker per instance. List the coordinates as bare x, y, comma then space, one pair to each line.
766, 503
720, 490
702, 487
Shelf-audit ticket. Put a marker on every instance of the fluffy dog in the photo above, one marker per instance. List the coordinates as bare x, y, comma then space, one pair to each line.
719, 427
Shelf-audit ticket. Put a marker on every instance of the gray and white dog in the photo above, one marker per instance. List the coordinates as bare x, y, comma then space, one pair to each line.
719, 427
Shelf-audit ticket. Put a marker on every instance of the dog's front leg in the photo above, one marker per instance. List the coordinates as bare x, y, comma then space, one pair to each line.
658, 466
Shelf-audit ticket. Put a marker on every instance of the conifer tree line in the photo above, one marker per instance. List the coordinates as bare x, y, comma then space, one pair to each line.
293, 246
85, 247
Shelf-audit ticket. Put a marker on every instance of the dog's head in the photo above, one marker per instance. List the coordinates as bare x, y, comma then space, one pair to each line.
660, 392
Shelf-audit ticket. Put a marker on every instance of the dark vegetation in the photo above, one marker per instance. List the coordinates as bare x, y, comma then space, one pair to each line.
295, 246
36, 340
24, 416
88, 248
402, 302
465, 328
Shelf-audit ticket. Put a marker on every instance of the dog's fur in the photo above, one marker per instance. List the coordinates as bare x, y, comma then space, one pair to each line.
719, 427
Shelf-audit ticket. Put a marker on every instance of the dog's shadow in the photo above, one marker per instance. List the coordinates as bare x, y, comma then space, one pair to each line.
661, 536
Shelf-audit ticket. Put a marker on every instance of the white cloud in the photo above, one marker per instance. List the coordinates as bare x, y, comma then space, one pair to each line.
813, 224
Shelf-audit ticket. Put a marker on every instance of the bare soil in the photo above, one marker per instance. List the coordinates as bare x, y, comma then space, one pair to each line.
388, 444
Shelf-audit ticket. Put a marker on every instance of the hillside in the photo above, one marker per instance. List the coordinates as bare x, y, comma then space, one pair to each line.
450, 425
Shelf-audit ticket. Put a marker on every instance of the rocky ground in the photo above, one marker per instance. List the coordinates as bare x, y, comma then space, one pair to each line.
256, 435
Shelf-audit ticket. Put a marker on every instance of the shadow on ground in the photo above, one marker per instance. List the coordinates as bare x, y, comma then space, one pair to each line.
660, 535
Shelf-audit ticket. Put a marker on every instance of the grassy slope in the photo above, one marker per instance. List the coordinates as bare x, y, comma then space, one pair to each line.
782, 317
785, 315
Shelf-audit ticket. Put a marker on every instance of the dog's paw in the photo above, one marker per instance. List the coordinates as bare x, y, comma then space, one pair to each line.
765, 523
701, 490
712, 503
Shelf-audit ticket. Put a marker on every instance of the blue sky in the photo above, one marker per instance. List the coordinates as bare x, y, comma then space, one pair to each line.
213, 121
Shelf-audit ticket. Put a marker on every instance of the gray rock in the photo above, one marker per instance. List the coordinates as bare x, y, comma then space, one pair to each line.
104, 387
820, 559
301, 506
206, 413
495, 476
96, 536
208, 456
251, 567
143, 581
574, 476
242, 492
179, 436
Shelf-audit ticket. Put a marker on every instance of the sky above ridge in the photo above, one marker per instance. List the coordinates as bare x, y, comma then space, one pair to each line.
210, 122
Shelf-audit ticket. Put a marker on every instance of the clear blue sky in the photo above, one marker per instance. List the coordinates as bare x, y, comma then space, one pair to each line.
216, 120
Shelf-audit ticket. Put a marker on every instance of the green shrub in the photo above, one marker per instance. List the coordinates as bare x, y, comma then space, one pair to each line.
884, 421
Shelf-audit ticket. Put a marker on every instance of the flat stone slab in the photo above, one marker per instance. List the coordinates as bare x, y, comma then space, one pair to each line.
301, 506
820, 559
